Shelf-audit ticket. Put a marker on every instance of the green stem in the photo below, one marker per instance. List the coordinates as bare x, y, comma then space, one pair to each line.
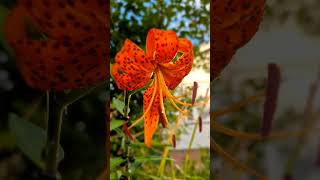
173, 176
54, 119
127, 141
186, 159
108, 136
56, 104
310, 120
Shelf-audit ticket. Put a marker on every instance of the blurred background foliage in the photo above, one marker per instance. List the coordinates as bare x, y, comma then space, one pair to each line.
272, 157
306, 13
83, 132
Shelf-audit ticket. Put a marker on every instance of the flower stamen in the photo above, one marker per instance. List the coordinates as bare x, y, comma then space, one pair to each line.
165, 89
155, 81
163, 112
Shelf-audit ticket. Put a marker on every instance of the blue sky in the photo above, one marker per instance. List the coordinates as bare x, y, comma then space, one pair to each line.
180, 17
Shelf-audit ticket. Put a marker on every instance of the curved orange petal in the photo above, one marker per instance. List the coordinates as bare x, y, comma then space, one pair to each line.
235, 23
50, 65
151, 118
161, 45
15, 27
175, 72
67, 20
54, 64
132, 69
222, 54
100, 8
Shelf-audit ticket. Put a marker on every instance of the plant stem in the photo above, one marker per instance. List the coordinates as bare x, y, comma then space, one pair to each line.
54, 119
108, 136
127, 141
187, 157
310, 120
56, 104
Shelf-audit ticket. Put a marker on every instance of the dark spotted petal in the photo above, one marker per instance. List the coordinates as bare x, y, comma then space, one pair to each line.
175, 72
161, 45
55, 63
69, 20
132, 69
48, 64
234, 23
151, 118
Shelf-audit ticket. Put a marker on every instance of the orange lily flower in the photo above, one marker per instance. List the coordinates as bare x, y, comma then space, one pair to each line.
69, 50
133, 68
234, 23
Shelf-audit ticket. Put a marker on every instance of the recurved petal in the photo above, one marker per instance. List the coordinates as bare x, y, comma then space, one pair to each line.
235, 23
132, 69
48, 64
228, 13
53, 63
161, 45
175, 72
15, 24
151, 118
222, 53
68, 20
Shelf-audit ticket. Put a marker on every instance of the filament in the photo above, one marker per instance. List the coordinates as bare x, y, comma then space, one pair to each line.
155, 81
168, 94
252, 136
234, 162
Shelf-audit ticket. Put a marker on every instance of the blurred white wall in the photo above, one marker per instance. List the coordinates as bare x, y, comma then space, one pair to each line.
203, 80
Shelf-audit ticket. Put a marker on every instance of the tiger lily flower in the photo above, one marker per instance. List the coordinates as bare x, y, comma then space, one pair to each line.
133, 69
59, 45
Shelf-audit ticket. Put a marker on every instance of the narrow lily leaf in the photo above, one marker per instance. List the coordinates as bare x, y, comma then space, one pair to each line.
115, 123
30, 138
119, 105
148, 159
115, 162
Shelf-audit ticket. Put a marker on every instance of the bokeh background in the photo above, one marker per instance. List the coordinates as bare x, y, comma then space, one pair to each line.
22, 124
190, 19
289, 36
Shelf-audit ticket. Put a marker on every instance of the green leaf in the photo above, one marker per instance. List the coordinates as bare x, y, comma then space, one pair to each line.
30, 138
115, 123
115, 162
119, 105
148, 159
153, 143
